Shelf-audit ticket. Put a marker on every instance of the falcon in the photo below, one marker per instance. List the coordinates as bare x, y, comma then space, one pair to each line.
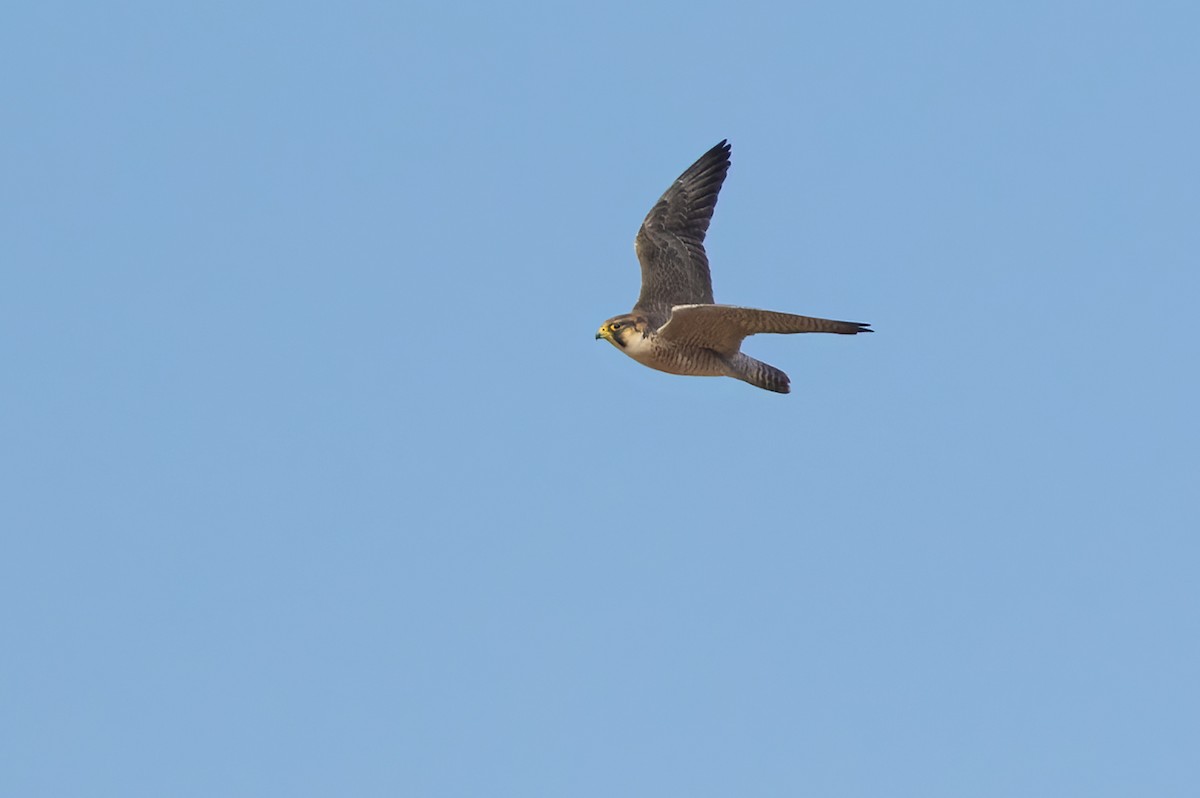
675, 326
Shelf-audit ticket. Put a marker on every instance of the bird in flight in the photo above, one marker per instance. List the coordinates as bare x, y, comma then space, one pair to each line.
675, 327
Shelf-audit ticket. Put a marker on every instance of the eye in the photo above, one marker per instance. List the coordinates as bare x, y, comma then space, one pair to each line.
616, 325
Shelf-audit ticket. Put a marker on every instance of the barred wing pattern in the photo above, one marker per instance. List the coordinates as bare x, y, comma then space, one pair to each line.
670, 243
721, 328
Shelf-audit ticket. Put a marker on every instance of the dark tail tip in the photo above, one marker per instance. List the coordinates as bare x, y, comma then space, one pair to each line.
768, 378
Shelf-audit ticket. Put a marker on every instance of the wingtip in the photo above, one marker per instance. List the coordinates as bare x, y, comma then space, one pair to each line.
722, 147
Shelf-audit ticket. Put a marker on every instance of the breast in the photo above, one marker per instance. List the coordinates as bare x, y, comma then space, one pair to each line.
675, 359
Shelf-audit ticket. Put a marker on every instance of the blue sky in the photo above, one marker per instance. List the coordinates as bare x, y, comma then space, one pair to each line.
317, 483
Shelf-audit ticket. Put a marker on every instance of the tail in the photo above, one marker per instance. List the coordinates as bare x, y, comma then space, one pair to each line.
760, 375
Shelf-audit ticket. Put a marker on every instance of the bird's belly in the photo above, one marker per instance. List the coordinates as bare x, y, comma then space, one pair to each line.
690, 362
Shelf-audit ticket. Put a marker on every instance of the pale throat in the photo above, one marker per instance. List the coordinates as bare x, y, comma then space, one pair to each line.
637, 345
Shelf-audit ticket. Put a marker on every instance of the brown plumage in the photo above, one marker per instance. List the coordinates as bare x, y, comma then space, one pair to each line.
675, 326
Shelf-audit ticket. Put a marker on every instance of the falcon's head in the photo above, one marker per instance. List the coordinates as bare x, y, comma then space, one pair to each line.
620, 329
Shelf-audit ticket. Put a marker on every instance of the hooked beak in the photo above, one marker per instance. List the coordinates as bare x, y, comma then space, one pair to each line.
607, 335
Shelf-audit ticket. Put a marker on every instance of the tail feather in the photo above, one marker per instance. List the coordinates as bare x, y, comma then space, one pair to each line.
762, 375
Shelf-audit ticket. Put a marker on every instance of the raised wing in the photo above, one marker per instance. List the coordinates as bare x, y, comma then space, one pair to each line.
670, 243
721, 328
